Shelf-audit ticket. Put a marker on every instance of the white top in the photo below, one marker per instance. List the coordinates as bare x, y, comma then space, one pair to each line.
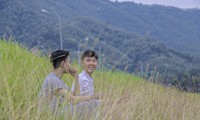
86, 89
86, 84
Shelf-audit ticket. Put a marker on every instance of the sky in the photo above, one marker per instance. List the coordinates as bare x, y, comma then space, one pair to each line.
176, 3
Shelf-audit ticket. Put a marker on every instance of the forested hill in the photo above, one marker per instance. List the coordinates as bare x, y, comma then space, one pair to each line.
177, 28
125, 40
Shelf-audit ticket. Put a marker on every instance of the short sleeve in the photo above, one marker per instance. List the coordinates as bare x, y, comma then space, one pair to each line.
53, 84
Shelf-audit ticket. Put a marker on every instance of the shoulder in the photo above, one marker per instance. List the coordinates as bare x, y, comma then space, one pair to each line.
82, 77
50, 78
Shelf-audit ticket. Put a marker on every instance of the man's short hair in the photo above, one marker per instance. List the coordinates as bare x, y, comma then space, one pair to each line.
58, 56
89, 53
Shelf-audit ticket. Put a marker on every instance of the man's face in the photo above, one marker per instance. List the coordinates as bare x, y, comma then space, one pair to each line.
89, 64
66, 65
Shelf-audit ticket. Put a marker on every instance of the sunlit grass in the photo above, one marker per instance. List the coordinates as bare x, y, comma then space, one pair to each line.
21, 74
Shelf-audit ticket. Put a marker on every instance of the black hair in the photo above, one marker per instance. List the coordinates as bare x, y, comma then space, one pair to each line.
57, 57
89, 53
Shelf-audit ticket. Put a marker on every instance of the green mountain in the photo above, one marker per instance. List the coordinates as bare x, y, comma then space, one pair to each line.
176, 28
125, 40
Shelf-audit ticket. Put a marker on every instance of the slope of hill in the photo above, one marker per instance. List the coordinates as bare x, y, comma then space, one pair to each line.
21, 74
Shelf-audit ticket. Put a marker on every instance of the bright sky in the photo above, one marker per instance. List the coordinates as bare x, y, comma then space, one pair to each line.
175, 3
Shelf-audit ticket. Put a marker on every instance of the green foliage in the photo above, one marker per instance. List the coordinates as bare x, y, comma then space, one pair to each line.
21, 74
168, 24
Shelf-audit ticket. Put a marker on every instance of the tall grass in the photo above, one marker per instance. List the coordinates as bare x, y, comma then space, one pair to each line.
21, 74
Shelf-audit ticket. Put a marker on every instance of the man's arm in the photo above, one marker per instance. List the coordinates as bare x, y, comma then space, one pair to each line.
76, 99
74, 73
76, 86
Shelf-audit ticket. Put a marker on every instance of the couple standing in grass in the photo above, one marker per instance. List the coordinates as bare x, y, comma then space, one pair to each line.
58, 97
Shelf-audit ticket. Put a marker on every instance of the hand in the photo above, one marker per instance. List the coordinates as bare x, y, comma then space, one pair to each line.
73, 72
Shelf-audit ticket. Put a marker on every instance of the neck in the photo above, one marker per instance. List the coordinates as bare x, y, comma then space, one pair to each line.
59, 73
90, 74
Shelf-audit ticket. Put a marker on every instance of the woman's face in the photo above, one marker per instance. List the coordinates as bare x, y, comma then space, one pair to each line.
89, 64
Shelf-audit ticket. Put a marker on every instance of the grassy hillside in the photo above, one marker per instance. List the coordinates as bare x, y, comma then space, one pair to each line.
22, 72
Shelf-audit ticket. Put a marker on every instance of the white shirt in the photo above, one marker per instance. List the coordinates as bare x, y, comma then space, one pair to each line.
86, 89
86, 84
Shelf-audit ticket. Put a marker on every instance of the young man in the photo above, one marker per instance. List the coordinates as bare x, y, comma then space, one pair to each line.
89, 62
55, 94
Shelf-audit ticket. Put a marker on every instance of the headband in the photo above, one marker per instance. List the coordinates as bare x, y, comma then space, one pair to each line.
57, 57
